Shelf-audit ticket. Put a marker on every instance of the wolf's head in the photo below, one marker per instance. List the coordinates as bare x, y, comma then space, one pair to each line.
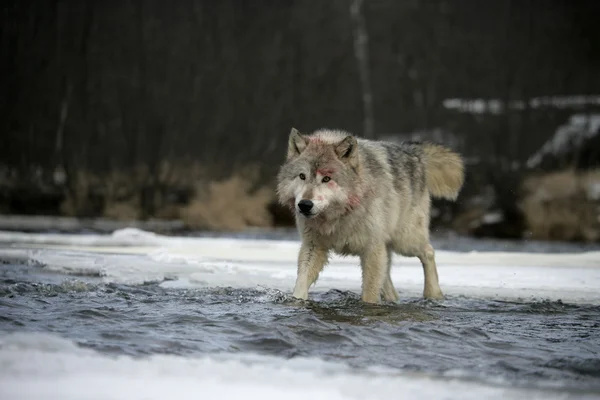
320, 174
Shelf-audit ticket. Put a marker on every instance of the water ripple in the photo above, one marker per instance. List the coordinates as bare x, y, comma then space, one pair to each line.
542, 342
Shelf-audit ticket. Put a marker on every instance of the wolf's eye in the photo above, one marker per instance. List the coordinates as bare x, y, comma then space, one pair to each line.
302, 176
326, 179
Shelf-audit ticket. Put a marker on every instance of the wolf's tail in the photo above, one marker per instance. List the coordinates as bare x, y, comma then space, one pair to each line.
444, 171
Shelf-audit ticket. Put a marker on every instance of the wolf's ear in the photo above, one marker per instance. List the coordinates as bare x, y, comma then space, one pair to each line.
347, 150
296, 144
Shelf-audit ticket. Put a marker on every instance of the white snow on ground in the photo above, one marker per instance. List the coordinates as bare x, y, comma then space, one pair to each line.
39, 366
135, 257
121, 237
568, 136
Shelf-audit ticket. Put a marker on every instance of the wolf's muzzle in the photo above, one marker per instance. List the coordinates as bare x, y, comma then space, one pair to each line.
305, 206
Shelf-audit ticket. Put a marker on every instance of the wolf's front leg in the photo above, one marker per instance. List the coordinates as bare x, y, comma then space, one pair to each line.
374, 272
311, 261
389, 291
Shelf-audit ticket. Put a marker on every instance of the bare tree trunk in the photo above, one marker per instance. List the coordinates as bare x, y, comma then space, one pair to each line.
59, 152
62, 120
361, 44
504, 137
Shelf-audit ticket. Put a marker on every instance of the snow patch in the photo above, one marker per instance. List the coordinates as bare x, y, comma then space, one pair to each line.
497, 106
136, 237
493, 218
240, 263
38, 366
121, 237
568, 136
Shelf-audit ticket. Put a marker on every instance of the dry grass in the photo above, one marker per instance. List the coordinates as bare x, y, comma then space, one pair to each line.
122, 211
467, 221
229, 205
121, 202
118, 194
78, 198
562, 205
183, 192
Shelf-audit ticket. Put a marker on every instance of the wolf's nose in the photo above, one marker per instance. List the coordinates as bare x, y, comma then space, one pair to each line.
305, 206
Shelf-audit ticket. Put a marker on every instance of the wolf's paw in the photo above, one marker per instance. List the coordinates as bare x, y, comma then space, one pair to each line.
433, 295
298, 297
297, 302
370, 298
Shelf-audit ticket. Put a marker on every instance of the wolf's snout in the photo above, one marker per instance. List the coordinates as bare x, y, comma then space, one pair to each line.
305, 206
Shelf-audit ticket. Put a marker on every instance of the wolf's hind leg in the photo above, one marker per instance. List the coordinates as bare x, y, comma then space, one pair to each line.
432, 287
311, 261
389, 292
374, 273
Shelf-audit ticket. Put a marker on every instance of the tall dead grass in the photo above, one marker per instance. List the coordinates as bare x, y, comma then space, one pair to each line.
563, 205
232, 204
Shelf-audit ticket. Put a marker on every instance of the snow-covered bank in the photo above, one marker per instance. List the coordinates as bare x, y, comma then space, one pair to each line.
135, 257
37, 366
40, 223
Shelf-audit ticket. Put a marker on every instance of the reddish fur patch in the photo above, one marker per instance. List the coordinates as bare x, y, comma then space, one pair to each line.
325, 171
320, 198
331, 185
353, 201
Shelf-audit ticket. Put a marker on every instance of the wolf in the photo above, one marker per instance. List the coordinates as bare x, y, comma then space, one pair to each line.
366, 198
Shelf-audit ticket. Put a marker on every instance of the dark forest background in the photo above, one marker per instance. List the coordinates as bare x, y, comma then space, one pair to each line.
140, 109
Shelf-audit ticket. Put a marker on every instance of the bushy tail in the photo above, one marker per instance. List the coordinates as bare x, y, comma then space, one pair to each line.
444, 171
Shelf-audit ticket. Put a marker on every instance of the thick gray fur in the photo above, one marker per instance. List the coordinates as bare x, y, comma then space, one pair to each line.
370, 199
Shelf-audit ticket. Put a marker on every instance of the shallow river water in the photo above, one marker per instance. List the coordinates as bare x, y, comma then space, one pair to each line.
546, 345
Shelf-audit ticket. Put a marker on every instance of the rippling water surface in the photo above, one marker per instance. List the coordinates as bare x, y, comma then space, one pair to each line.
540, 344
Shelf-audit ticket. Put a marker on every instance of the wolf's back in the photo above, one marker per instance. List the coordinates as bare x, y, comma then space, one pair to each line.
444, 171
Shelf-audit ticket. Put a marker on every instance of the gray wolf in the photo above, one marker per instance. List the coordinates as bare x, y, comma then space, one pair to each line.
366, 198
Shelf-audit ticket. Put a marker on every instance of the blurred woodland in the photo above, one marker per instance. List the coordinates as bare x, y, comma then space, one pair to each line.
180, 110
